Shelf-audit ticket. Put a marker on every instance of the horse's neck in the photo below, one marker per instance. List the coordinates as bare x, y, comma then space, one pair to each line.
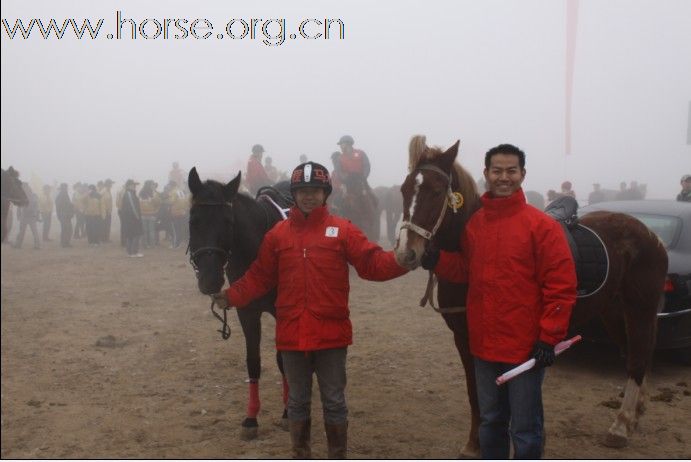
448, 236
252, 220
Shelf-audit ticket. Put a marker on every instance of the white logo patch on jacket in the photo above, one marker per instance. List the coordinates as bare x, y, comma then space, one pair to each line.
331, 231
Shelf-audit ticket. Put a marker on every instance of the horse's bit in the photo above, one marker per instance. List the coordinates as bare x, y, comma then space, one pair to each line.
455, 201
225, 254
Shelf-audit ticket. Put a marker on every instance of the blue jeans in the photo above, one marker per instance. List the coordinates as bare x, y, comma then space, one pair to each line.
514, 409
330, 367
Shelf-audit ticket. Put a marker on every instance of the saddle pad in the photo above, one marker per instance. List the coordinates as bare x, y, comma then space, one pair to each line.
592, 260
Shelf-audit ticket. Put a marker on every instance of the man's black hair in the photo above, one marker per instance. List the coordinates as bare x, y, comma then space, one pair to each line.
505, 149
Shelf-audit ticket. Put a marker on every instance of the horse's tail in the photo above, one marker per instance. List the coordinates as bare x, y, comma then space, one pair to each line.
416, 149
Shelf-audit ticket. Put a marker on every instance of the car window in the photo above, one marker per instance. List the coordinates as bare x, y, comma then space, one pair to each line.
664, 226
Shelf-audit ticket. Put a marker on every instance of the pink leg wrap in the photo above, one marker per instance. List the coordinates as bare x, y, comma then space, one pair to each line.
254, 404
285, 391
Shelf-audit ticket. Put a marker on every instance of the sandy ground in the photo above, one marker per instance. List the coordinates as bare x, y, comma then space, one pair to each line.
105, 356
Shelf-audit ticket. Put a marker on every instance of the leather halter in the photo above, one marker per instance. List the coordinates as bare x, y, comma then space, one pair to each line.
455, 201
452, 200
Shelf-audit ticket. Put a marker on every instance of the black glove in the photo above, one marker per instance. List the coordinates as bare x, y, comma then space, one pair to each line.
430, 258
543, 354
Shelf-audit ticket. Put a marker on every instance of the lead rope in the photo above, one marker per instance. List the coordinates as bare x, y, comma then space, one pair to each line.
429, 298
225, 330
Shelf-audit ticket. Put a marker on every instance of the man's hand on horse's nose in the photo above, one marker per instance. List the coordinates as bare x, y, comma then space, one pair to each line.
221, 300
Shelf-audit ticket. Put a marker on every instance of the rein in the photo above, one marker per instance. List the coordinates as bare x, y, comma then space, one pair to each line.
210, 250
455, 201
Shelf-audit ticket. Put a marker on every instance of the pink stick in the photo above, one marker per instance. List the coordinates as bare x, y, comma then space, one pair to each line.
558, 349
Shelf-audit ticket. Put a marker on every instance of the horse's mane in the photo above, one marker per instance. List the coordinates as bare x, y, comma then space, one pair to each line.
419, 152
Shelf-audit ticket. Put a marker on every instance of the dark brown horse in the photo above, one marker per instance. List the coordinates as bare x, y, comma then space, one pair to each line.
627, 302
359, 205
12, 192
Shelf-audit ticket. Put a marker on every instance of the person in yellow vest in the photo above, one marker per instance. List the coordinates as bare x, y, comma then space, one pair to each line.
149, 204
107, 199
45, 206
79, 193
179, 208
93, 216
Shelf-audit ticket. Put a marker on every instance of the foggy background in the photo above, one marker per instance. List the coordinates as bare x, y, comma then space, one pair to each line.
485, 72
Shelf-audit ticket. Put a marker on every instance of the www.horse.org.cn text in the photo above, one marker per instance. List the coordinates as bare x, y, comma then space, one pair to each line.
270, 32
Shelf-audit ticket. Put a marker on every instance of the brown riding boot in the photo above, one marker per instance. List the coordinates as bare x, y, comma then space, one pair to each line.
337, 439
300, 438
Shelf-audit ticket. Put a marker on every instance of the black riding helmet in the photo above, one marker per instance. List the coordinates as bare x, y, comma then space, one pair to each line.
310, 174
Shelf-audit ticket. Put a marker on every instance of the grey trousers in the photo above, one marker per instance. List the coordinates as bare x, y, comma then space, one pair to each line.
330, 368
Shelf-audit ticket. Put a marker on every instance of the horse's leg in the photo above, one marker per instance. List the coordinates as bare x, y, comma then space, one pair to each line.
640, 321
457, 322
250, 320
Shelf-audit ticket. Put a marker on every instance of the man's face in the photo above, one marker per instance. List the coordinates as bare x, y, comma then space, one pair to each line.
346, 148
686, 185
309, 198
504, 175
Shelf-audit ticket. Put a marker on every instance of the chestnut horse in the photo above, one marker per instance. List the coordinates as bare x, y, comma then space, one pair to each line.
627, 302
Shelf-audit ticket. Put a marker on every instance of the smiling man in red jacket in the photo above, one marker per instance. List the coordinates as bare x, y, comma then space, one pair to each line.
306, 257
521, 289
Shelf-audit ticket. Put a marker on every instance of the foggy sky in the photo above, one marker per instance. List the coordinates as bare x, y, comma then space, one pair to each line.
485, 72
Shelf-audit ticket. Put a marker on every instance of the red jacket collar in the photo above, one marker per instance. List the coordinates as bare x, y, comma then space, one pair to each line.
503, 205
316, 216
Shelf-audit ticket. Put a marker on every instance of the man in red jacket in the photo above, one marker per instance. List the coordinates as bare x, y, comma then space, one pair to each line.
521, 289
307, 257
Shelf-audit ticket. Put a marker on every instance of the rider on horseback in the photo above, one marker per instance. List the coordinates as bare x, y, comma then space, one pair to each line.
354, 166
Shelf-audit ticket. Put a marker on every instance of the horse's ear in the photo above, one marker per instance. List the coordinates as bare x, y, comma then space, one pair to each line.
449, 157
193, 181
231, 189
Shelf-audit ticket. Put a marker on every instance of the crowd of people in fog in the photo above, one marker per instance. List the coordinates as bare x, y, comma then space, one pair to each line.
86, 212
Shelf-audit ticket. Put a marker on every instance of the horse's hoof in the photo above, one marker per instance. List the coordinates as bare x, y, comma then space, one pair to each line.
249, 429
613, 440
248, 433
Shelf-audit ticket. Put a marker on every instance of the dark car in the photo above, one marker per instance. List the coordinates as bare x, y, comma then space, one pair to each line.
671, 221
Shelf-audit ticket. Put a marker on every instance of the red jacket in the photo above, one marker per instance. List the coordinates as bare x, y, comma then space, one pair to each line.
256, 175
355, 163
521, 278
307, 258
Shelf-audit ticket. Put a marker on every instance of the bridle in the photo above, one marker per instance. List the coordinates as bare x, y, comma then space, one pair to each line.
225, 255
453, 200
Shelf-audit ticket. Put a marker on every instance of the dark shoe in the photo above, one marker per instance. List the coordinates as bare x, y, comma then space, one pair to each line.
337, 439
300, 438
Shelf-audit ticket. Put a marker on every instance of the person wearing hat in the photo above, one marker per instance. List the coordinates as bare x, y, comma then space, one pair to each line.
256, 175
64, 210
354, 163
685, 194
45, 205
107, 199
306, 258
131, 216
